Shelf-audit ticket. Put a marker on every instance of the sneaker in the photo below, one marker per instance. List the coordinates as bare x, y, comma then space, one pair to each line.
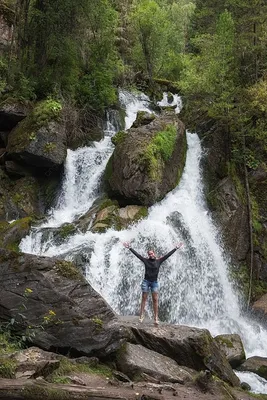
141, 318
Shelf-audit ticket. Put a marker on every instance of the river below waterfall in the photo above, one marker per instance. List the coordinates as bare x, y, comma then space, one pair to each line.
195, 286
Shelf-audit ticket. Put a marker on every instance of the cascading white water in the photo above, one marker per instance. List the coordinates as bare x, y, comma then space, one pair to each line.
195, 288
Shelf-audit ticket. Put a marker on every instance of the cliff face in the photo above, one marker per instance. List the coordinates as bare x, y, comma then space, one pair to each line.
226, 197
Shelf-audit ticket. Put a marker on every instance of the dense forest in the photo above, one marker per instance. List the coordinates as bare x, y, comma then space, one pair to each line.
77, 54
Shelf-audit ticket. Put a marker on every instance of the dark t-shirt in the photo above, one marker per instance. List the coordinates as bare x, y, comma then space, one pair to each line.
152, 265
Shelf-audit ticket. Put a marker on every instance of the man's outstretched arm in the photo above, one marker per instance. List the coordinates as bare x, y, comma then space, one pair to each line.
178, 246
127, 245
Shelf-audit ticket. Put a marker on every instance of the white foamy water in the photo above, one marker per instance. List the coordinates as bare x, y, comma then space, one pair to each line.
195, 288
176, 102
257, 384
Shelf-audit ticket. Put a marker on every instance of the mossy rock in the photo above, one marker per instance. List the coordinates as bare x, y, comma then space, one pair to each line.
66, 230
40, 139
143, 118
68, 270
11, 234
148, 163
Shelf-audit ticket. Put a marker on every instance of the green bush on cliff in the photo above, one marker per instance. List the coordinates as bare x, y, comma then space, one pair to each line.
159, 150
45, 111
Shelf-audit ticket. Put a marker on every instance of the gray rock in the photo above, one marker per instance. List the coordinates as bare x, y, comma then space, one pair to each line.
255, 364
34, 362
83, 322
133, 360
135, 174
191, 347
232, 347
11, 113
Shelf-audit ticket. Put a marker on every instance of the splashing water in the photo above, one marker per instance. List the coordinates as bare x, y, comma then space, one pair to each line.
195, 289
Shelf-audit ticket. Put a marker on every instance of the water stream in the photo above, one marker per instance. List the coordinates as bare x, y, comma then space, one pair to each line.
195, 287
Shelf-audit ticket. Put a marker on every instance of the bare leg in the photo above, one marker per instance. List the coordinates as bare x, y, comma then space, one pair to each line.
155, 298
143, 304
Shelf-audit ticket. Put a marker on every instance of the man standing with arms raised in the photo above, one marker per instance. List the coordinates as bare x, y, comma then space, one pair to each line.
150, 282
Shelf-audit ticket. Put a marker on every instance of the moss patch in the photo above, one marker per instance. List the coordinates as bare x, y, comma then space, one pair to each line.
68, 270
66, 230
25, 132
142, 213
119, 138
159, 150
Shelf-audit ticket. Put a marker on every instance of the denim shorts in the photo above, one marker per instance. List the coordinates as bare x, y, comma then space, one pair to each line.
146, 285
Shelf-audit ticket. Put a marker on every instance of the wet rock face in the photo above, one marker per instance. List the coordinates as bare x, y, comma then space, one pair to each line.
147, 162
191, 347
232, 347
72, 315
258, 365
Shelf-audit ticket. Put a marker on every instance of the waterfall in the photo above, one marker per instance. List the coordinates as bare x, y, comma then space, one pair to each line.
195, 287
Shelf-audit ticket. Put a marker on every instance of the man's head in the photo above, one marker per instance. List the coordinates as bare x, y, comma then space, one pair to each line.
151, 254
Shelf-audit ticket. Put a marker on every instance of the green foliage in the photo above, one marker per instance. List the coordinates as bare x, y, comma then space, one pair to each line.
119, 137
7, 368
96, 90
46, 111
159, 150
67, 367
7, 343
68, 270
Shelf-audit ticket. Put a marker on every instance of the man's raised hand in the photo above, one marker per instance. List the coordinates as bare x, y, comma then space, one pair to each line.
179, 245
126, 244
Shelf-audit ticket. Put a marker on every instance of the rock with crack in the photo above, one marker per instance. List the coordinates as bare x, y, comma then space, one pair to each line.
133, 360
64, 311
191, 347
232, 346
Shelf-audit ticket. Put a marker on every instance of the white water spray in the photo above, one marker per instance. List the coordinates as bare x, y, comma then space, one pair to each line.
195, 288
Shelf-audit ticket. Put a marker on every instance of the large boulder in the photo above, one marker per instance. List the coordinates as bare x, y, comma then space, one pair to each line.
191, 347
135, 360
231, 345
255, 364
40, 139
60, 309
147, 162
